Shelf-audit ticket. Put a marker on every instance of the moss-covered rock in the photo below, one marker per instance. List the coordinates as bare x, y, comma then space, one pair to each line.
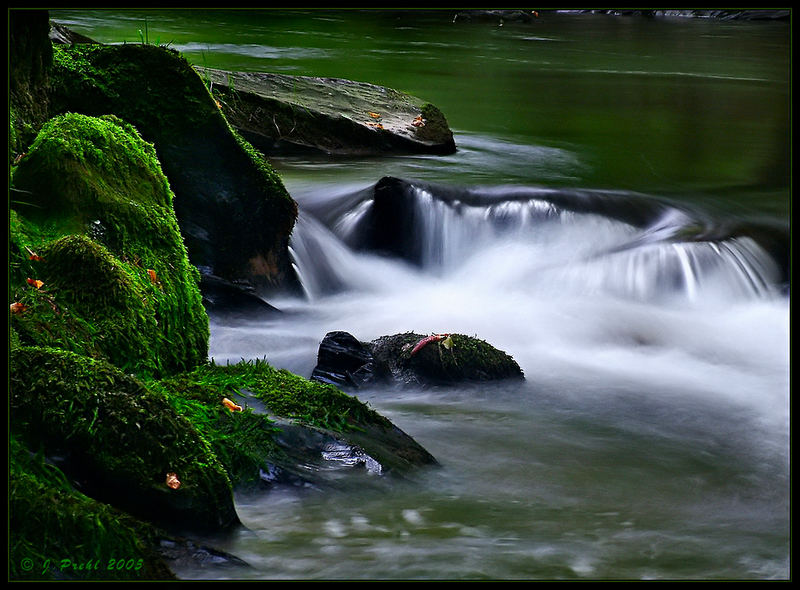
281, 113
285, 422
413, 359
59, 533
232, 207
117, 440
98, 229
441, 359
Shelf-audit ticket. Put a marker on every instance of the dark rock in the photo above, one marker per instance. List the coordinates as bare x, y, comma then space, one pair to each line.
283, 114
228, 298
394, 220
342, 361
30, 55
180, 553
440, 360
496, 16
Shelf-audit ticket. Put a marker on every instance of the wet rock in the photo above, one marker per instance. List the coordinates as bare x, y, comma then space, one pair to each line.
283, 114
342, 361
229, 299
496, 16
180, 553
412, 359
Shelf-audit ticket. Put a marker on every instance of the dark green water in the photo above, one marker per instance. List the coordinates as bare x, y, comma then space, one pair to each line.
616, 459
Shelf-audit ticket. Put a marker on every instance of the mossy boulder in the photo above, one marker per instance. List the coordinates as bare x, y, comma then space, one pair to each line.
412, 359
232, 207
283, 114
97, 228
116, 440
65, 535
286, 423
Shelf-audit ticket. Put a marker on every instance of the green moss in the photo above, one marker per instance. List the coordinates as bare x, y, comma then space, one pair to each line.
290, 396
436, 127
58, 531
156, 90
242, 441
124, 269
117, 439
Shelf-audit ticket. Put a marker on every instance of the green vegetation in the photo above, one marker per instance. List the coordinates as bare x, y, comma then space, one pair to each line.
288, 395
58, 531
119, 439
98, 214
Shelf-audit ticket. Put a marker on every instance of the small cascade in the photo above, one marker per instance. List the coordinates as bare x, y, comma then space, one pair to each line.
536, 240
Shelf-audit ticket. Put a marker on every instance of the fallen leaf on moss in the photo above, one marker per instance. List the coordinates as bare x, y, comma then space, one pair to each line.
173, 481
18, 307
35, 283
231, 406
153, 277
425, 341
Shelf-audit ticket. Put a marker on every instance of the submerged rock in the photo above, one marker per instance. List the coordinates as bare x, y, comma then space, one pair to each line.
280, 113
439, 359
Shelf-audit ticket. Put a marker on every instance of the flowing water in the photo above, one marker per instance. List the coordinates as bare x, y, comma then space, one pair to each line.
650, 439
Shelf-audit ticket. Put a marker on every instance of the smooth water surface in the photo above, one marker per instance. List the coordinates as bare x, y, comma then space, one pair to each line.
651, 437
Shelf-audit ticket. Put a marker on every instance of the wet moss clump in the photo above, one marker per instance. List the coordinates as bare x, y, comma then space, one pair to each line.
448, 359
97, 228
117, 440
243, 441
61, 534
290, 396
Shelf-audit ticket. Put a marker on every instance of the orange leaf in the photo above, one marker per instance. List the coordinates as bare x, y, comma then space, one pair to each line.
173, 481
418, 122
231, 406
36, 283
373, 115
376, 125
152, 274
17, 307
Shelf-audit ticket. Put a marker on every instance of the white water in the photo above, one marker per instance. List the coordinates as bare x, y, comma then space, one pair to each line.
575, 298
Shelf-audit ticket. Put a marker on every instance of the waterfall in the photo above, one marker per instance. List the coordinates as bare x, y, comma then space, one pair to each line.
534, 242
